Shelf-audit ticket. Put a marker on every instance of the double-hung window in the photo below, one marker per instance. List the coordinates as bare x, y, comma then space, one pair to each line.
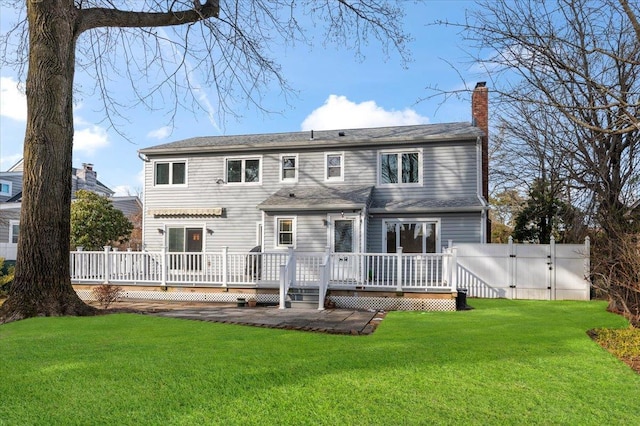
334, 166
285, 232
171, 173
243, 170
400, 167
14, 231
5, 188
289, 168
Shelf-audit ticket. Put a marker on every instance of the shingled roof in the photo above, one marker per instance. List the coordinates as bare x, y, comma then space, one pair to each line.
324, 138
346, 197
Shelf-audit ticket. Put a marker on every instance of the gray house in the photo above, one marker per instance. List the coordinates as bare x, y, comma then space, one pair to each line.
375, 190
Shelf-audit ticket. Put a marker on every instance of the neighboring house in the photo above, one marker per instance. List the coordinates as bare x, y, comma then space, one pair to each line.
11, 197
353, 190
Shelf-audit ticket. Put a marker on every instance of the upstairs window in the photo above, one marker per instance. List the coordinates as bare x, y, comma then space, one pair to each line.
243, 170
5, 188
400, 168
289, 168
171, 173
334, 166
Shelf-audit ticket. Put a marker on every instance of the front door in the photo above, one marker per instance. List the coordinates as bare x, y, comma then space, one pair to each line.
344, 241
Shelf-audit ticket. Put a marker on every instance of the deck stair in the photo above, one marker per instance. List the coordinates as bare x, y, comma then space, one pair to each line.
303, 297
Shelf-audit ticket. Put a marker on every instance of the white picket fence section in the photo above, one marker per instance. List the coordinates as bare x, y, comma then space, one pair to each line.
525, 271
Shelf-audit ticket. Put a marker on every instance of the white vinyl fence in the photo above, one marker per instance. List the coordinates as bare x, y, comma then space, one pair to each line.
525, 271
8, 251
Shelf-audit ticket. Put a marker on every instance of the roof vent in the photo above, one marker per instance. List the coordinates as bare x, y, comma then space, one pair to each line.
312, 134
340, 133
291, 195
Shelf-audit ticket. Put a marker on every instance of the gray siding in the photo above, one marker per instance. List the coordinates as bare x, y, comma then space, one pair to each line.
6, 215
16, 183
450, 171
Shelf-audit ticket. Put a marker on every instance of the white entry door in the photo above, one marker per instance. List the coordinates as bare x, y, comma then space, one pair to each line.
344, 241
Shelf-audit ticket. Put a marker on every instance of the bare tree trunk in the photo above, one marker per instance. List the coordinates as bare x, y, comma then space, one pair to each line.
42, 285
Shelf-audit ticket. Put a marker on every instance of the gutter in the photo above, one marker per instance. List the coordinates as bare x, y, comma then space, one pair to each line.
303, 144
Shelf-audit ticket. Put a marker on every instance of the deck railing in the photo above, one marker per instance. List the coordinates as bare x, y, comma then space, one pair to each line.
385, 271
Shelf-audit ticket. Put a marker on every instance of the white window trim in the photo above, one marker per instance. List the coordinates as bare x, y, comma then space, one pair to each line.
399, 184
295, 178
184, 226
243, 159
326, 167
171, 162
259, 235
437, 221
6, 182
276, 231
11, 225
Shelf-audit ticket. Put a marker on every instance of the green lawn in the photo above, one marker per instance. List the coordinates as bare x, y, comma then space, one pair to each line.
506, 362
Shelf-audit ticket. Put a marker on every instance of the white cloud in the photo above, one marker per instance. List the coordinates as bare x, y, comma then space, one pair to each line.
160, 133
7, 161
338, 112
13, 103
90, 140
131, 189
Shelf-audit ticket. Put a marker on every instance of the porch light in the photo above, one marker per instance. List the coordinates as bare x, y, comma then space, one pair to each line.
209, 231
160, 231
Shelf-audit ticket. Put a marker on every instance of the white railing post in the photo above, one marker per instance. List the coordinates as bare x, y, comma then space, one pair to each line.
399, 270
106, 269
453, 271
446, 264
322, 285
163, 266
292, 267
283, 293
225, 264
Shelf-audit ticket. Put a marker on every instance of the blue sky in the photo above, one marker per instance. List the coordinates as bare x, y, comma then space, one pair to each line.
334, 90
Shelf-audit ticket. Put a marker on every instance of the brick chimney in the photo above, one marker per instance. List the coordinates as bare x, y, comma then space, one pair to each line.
480, 118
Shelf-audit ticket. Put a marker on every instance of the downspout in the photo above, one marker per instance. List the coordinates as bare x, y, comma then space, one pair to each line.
483, 214
145, 160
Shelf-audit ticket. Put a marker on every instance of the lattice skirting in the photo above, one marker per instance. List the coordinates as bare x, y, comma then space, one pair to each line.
345, 302
174, 296
393, 304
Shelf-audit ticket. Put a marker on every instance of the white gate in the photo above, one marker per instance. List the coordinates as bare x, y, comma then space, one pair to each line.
525, 271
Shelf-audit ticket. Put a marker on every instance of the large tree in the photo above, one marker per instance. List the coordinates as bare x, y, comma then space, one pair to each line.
228, 39
566, 78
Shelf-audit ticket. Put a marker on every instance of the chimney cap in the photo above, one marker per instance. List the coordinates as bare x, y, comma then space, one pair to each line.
481, 84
